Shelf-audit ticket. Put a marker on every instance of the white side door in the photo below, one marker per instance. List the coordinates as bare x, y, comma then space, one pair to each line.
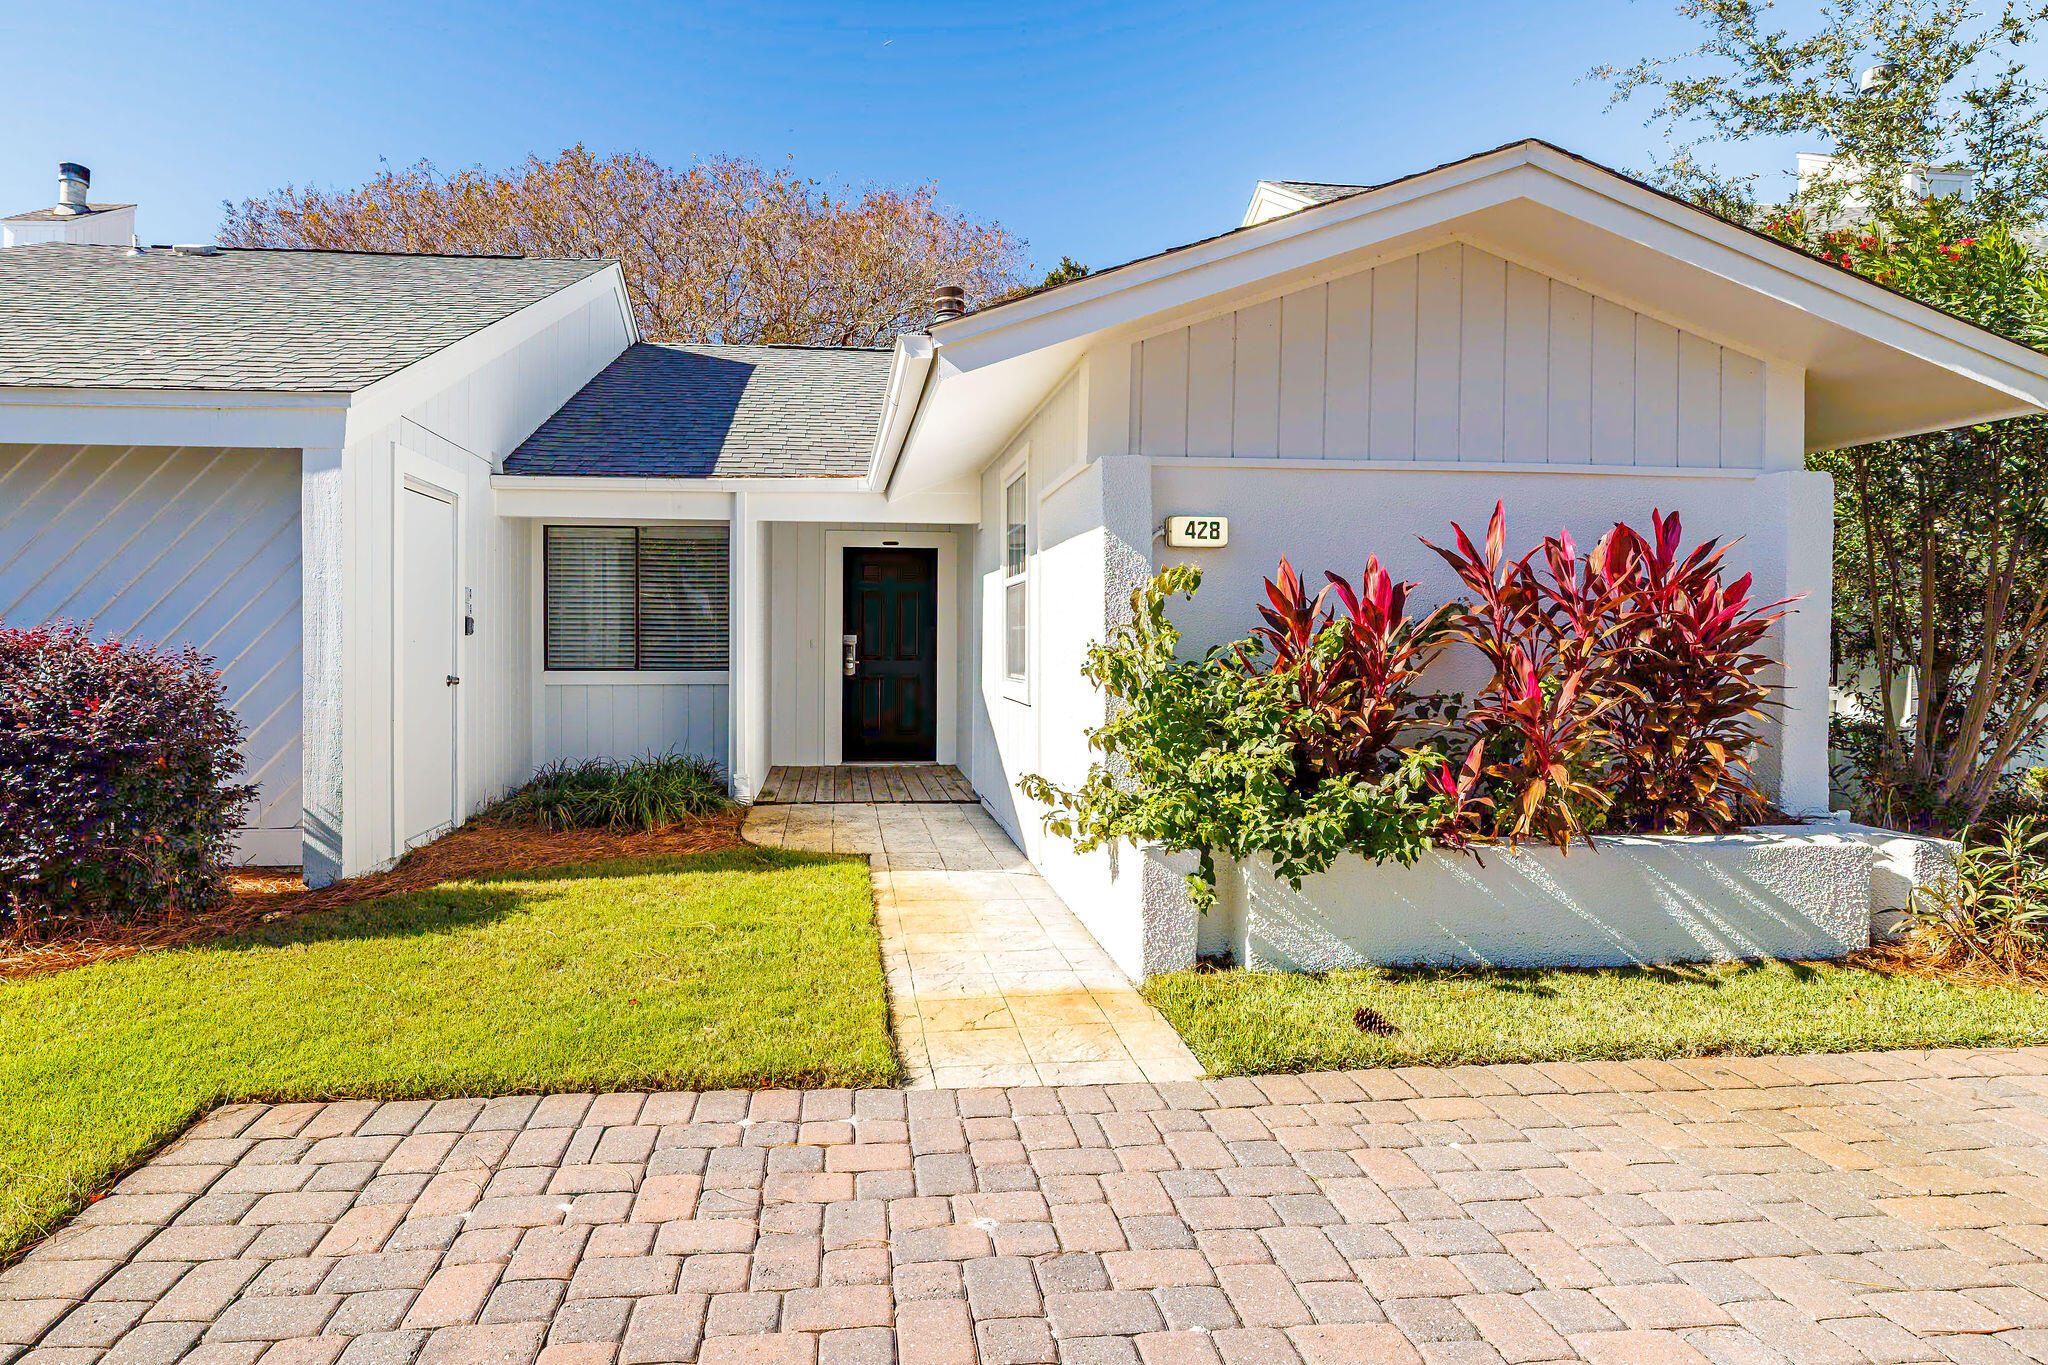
427, 665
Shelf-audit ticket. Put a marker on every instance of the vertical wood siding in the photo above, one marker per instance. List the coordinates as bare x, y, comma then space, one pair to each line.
632, 720
177, 546
1453, 355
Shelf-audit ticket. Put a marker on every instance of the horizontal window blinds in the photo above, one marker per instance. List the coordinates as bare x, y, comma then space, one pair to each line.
627, 597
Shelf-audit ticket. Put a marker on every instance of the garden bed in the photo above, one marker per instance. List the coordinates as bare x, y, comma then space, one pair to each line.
480, 848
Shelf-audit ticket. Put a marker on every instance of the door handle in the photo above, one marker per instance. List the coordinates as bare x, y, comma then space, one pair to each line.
850, 654
454, 681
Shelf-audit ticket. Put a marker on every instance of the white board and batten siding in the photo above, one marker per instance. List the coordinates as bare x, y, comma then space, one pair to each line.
1451, 356
174, 546
455, 439
581, 720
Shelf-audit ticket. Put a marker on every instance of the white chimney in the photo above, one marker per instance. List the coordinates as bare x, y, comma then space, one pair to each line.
73, 180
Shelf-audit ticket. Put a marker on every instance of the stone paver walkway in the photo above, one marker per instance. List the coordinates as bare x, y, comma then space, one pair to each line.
1874, 1207
992, 980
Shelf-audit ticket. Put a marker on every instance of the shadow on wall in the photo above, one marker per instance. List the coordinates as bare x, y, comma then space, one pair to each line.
1634, 901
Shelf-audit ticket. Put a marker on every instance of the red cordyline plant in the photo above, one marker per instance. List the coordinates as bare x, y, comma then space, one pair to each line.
1625, 682
1546, 632
1355, 659
1688, 680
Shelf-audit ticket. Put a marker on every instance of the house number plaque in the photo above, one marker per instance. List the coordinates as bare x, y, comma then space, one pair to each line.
1197, 532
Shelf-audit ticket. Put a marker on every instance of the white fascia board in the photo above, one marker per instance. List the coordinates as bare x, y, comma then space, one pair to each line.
1243, 256
400, 392
1244, 259
1832, 294
909, 370
172, 417
824, 500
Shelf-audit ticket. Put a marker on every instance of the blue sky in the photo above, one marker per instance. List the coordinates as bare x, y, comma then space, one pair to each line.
1098, 131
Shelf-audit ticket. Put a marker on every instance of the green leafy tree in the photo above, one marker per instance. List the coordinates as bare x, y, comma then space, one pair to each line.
1941, 554
1941, 551
1891, 86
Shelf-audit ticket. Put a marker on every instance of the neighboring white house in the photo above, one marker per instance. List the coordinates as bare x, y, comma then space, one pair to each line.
358, 478
71, 219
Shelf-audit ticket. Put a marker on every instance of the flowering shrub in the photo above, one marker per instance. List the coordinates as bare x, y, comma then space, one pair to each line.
117, 768
1623, 689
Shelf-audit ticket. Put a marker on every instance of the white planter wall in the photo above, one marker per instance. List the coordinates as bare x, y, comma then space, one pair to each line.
1801, 892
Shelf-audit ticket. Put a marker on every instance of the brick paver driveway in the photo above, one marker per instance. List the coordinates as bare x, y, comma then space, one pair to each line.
1870, 1207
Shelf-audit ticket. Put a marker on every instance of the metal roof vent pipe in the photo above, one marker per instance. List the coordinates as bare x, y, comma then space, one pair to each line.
73, 180
949, 301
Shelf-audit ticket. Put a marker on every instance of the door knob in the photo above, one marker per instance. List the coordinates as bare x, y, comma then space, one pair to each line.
454, 681
850, 657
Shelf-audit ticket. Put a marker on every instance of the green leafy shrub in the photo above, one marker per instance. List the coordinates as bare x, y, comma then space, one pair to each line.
118, 798
1201, 755
603, 793
1991, 914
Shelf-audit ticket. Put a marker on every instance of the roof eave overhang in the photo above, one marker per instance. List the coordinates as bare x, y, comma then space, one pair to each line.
173, 417
1878, 364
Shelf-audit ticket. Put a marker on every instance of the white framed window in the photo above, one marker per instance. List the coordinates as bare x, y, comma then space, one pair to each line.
1016, 576
635, 598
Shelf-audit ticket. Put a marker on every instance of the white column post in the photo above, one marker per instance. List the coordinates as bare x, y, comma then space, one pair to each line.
1799, 508
323, 528
747, 690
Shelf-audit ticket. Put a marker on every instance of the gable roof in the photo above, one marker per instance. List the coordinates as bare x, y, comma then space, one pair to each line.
1875, 363
259, 320
664, 410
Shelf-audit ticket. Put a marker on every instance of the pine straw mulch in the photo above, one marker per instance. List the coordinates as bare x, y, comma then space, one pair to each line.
263, 895
1912, 957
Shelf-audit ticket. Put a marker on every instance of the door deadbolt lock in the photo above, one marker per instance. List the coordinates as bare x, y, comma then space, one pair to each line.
850, 657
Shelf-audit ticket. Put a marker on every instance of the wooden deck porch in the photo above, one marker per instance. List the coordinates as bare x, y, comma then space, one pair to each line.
865, 783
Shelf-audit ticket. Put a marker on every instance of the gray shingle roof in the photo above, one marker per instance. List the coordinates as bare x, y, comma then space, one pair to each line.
673, 411
1318, 191
54, 214
96, 317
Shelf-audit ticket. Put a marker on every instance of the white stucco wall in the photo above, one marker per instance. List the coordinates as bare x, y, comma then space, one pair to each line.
1794, 892
1515, 392
174, 545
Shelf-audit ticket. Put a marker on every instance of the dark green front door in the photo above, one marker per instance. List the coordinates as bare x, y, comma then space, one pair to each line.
892, 621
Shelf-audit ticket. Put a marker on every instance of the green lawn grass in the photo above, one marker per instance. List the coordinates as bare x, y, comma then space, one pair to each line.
745, 968
1241, 1023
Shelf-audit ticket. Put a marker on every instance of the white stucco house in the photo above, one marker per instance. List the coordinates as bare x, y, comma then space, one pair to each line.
357, 479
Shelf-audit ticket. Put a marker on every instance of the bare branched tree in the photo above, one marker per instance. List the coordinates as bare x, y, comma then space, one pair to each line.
724, 250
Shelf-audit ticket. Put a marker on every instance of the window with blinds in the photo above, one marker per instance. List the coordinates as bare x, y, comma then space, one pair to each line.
636, 598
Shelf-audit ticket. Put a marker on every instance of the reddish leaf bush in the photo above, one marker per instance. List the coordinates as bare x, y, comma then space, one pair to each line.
118, 761
1353, 659
1625, 681
1687, 677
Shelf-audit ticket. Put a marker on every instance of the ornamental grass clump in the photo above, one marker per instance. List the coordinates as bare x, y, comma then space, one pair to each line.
118, 798
1989, 916
601, 793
